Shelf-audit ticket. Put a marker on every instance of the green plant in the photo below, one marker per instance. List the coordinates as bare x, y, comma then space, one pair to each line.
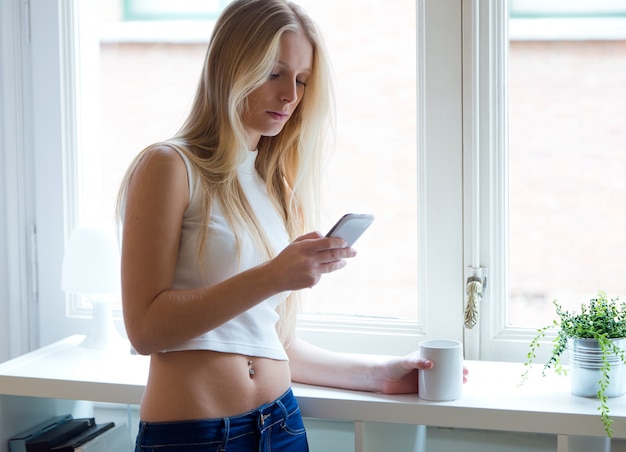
601, 319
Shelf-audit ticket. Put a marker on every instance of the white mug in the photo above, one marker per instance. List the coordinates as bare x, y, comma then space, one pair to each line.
444, 381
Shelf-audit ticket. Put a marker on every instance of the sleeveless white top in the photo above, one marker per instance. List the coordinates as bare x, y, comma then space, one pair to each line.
253, 332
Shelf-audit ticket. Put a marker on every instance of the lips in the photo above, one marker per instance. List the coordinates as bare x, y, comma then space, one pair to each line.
278, 116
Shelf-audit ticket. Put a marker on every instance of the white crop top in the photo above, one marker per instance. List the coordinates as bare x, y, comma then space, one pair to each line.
253, 332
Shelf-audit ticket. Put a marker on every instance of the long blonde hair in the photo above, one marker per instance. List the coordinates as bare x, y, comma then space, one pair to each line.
242, 52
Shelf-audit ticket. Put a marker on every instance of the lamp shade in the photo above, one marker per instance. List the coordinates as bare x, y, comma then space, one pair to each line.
91, 263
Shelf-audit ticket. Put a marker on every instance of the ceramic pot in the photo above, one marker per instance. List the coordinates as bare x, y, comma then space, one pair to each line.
585, 359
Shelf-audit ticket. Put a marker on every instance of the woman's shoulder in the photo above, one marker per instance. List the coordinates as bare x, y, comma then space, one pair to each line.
164, 153
177, 160
164, 159
163, 165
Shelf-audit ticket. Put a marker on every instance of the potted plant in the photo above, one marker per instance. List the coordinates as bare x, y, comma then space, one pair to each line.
595, 339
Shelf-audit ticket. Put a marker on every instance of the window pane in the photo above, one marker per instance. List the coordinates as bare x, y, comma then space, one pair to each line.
374, 165
567, 167
168, 10
146, 89
566, 8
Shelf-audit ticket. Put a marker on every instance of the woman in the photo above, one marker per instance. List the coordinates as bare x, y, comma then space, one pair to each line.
215, 244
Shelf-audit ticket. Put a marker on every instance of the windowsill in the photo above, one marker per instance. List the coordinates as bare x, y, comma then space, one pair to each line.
491, 400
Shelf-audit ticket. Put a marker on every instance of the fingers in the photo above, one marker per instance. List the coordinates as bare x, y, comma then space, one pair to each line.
424, 364
327, 252
319, 242
417, 363
413, 362
309, 236
335, 254
327, 260
332, 266
303, 262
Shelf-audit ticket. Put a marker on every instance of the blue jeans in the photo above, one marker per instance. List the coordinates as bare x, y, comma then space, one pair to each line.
275, 427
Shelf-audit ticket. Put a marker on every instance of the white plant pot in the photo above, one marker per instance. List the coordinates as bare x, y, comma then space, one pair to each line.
585, 359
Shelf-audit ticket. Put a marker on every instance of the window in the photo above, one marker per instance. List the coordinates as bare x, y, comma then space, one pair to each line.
565, 165
433, 237
555, 235
566, 160
376, 151
373, 169
374, 163
462, 170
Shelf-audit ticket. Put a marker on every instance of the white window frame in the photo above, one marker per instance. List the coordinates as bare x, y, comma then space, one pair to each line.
485, 161
17, 286
55, 150
486, 173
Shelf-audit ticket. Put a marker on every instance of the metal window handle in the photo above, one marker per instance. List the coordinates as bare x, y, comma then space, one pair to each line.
474, 290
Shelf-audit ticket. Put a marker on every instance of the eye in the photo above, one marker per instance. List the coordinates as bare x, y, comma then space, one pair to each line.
301, 83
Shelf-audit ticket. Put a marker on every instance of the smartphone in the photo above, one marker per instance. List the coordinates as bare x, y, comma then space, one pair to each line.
351, 226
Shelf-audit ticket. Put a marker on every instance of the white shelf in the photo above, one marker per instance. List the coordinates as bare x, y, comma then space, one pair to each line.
64, 370
491, 399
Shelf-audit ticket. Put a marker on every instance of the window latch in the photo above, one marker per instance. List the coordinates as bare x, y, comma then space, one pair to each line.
474, 289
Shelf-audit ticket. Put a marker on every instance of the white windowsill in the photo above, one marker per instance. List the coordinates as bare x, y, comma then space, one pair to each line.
491, 400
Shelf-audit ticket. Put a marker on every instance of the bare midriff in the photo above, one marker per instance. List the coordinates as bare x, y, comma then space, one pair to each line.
200, 384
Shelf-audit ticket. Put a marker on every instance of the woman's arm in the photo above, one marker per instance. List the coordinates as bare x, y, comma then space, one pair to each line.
157, 317
389, 375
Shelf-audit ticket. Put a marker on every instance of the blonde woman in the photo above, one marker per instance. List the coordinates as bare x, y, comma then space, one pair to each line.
215, 245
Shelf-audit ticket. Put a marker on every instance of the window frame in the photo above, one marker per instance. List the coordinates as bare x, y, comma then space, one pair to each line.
17, 286
493, 339
486, 174
55, 160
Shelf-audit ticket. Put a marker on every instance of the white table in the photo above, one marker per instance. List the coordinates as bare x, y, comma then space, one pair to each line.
491, 399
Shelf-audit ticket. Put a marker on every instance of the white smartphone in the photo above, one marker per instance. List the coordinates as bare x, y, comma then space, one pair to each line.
351, 226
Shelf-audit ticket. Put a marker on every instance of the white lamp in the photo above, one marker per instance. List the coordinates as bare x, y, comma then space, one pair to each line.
91, 267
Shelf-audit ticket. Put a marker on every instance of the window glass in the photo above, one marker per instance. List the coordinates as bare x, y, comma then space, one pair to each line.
146, 86
168, 10
374, 165
567, 8
567, 165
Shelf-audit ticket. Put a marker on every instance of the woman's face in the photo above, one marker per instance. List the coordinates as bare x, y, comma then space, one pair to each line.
271, 105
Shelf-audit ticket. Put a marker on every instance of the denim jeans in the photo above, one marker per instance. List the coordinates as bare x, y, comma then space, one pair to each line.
275, 427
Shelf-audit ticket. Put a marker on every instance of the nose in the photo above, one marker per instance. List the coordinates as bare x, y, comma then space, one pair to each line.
289, 91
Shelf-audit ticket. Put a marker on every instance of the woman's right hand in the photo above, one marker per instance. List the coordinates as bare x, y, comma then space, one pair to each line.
303, 262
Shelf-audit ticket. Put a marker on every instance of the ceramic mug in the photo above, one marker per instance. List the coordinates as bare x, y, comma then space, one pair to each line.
444, 381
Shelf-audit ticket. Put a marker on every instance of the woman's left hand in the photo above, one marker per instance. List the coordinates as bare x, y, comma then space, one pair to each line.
400, 373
